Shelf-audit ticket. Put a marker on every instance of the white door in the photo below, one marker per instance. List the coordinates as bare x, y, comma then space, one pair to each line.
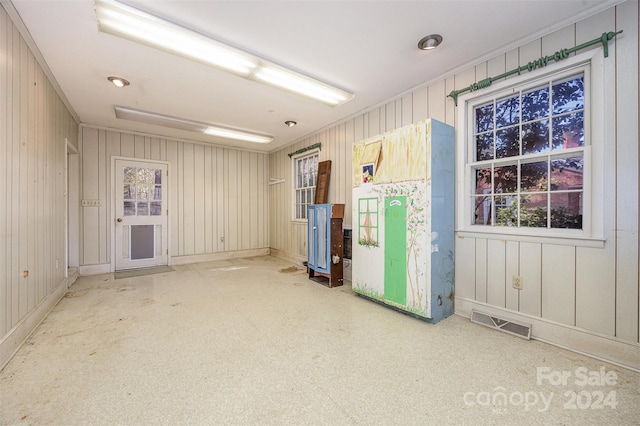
140, 214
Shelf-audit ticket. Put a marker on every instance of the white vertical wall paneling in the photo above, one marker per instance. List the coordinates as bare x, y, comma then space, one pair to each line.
139, 146
465, 268
127, 145
5, 321
32, 178
33, 125
210, 223
435, 106
595, 295
199, 198
23, 140
598, 289
89, 182
113, 150
449, 106
530, 270
390, 116
174, 213
419, 104
245, 202
496, 269
231, 184
188, 201
12, 199
221, 200
103, 175
512, 267
559, 283
481, 269
627, 160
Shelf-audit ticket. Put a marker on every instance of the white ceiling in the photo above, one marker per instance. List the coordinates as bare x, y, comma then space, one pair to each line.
366, 47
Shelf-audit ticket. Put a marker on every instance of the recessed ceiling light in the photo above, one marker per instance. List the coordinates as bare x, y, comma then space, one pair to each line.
290, 123
189, 125
430, 42
118, 81
132, 24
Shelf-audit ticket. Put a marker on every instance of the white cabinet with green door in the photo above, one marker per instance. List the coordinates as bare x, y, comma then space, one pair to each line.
403, 219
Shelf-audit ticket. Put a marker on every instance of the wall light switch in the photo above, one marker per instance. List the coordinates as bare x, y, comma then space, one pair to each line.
91, 203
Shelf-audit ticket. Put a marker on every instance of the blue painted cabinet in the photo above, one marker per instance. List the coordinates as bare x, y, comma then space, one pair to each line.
403, 219
324, 243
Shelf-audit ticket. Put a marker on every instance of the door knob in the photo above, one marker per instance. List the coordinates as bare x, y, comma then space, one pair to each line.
119, 219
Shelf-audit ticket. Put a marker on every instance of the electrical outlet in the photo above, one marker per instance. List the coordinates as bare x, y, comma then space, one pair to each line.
517, 282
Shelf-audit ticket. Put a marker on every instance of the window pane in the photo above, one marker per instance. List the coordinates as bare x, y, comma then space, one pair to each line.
129, 208
484, 118
156, 208
535, 104
143, 209
568, 131
508, 112
506, 210
505, 179
129, 191
567, 173
568, 95
484, 146
566, 210
483, 181
534, 177
533, 213
158, 179
507, 142
482, 210
129, 174
535, 137
157, 195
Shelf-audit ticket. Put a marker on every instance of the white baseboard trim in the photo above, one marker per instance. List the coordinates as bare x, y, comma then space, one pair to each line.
19, 334
289, 257
605, 348
104, 268
224, 255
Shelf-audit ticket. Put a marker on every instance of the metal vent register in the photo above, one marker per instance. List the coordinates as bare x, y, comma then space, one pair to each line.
508, 326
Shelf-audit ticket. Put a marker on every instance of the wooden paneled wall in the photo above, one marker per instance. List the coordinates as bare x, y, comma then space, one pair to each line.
34, 127
593, 289
217, 196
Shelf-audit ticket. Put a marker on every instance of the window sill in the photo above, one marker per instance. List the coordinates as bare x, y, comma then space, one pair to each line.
563, 240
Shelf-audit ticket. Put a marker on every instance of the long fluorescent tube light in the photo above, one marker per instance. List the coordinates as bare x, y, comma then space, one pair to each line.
132, 24
192, 126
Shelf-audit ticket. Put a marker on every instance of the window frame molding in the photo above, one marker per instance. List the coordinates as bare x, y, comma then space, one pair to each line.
294, 177
597, 120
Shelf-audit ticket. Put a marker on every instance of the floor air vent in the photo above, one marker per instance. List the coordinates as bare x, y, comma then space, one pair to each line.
508, 326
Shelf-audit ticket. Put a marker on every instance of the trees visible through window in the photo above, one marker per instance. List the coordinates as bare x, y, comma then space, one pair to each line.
305, 174
528, 155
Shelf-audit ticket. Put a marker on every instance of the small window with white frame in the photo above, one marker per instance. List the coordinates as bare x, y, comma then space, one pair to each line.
527, 155
305, 173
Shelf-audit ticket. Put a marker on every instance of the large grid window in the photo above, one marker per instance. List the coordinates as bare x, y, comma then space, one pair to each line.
305, 169
527, 150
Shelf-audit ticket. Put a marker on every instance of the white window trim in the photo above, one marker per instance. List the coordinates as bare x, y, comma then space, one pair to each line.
294, 179
597, 119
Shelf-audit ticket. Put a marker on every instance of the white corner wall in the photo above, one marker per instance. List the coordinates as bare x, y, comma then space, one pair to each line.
217, 197
590, 302
34, 126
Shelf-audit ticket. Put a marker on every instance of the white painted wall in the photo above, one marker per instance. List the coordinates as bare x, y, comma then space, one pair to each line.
217, 196
34, 123
578, 297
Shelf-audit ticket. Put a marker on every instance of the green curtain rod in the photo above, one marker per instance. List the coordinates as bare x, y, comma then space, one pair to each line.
309, 148
538, 63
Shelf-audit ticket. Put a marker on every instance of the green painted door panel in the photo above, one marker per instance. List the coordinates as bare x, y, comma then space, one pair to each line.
395, 249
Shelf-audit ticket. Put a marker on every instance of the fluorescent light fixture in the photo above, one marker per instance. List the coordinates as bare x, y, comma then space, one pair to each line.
189, 125
132, 24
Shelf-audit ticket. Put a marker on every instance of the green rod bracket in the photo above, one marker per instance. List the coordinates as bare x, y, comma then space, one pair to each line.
309, 148
538, 63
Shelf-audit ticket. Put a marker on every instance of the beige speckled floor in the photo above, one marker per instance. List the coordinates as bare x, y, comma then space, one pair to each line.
253, 341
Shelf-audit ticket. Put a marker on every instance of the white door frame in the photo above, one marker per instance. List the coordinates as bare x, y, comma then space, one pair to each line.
72, 212
113, 217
